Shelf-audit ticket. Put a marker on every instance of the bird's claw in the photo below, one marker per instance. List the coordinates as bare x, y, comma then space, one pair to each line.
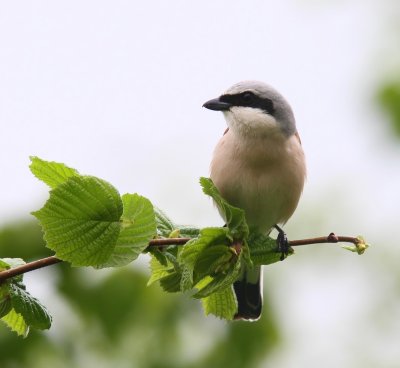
282, 243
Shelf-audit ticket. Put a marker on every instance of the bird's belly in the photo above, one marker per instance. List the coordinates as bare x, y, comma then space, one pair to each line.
268, 196
265, 180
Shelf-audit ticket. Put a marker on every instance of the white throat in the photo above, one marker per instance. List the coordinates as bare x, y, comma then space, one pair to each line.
251, 122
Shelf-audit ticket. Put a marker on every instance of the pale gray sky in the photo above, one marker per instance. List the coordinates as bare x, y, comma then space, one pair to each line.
115, 89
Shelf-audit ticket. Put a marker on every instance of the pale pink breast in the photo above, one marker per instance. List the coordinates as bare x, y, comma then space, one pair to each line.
263, 178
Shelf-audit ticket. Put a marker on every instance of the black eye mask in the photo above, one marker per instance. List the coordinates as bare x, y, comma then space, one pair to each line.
249, 99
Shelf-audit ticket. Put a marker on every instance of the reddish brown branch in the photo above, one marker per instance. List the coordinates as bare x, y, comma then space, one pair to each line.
44, 262
31, 266
331, 238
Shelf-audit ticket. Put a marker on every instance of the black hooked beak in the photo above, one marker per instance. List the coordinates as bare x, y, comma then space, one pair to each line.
217, 105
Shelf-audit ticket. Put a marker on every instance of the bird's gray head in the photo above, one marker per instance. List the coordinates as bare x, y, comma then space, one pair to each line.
256, 109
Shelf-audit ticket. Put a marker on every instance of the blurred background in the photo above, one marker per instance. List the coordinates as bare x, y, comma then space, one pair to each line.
115, 90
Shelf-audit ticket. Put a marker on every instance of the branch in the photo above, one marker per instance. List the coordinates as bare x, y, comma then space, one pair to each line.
31, 266
331, 238
159, 243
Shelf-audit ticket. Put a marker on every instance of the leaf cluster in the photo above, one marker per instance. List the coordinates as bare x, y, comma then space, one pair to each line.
86, 222
18, 309
209, 264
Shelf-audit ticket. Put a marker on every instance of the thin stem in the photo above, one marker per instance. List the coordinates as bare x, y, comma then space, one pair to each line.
48, 261
31, 266
331, 238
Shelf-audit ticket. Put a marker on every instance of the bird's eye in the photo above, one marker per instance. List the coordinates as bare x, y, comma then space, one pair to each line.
248, 97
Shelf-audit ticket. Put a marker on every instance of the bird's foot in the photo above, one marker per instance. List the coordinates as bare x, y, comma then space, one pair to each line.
282, 242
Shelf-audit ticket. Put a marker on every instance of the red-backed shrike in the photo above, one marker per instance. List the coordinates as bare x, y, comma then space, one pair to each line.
259, 166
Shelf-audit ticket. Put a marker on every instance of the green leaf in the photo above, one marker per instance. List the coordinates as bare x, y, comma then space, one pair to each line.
168, 229
186, 281
81, 220
222, 280
16, 323
18, 309
234, 217
191, 252
222, 304
164, 224
263, 249
172, 282
168, 272
159, 270
171, 254
194, 257
186, 231
138, 228
51, 173
5, 300
209, 262
214, 259
159, 255
34, 313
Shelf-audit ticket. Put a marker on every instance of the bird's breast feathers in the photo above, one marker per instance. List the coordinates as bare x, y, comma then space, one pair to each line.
265, 177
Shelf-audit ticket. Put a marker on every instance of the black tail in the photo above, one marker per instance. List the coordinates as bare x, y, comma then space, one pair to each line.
248, 292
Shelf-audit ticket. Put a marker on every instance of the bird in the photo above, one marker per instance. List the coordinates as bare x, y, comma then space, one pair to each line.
259, 166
